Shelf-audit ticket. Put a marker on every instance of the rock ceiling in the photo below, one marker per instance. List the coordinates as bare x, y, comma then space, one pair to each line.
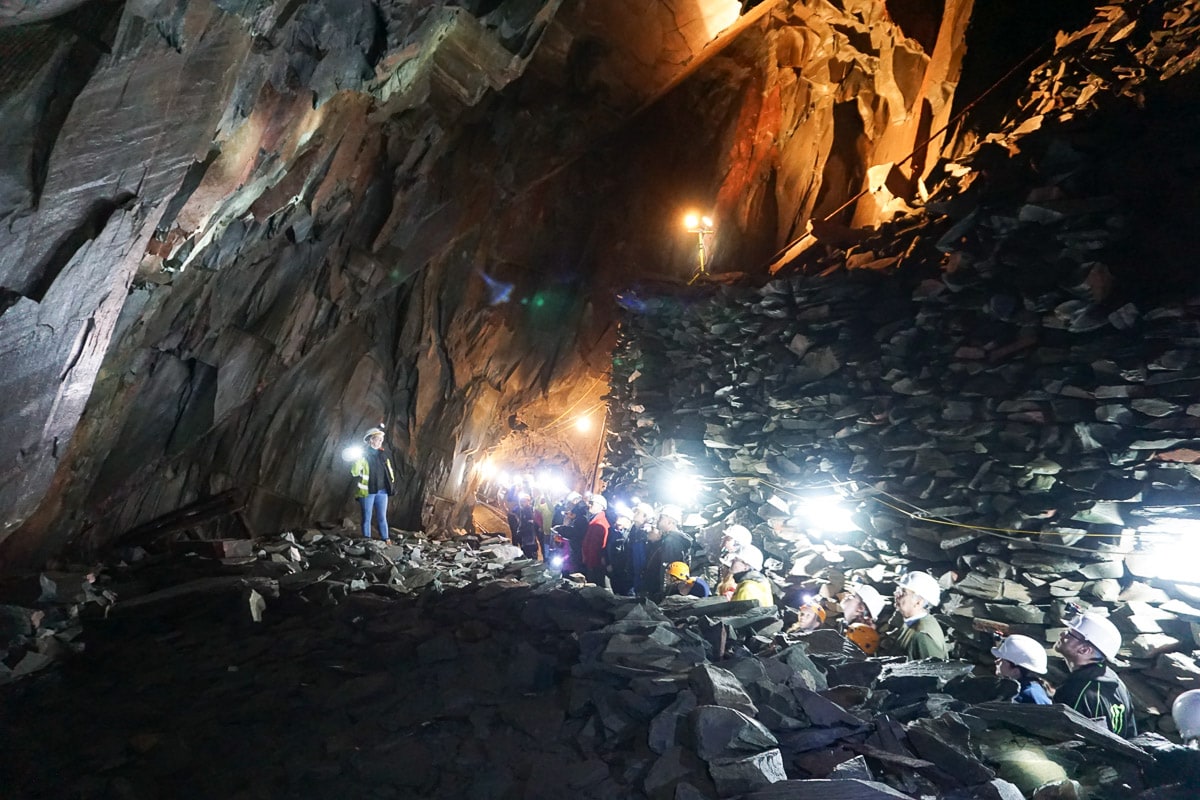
236, 233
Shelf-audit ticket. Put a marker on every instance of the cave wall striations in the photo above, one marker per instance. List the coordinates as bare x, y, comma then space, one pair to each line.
789, 122
275, 221
241, 232
827, 101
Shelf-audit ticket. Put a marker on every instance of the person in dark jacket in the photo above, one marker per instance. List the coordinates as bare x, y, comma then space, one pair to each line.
663, 546
526, 527
618, 558
1092, 688
375, 482
676, 545
639, 542
577, 519
1024, 660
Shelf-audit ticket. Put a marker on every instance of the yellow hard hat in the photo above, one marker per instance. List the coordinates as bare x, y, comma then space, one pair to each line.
679, 571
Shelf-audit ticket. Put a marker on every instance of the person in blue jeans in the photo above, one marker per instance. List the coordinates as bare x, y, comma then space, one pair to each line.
376, 482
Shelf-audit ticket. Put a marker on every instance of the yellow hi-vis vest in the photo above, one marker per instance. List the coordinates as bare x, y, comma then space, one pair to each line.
755, 586
361, 469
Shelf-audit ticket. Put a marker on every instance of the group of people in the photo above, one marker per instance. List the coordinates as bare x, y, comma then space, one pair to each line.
646, 553
638, 551
1088, 645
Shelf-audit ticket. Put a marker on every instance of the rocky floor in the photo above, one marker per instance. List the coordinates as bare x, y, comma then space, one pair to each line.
322, 666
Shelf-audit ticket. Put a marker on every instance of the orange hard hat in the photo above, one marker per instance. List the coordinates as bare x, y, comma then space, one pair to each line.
866, 637
817, 608
679, 571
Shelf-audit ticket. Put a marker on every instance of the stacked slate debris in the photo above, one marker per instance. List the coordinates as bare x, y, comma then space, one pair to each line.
40, 622
512, 682
1000, 387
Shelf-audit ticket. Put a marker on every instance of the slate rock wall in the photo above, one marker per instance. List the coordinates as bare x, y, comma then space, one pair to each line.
235, 235
1000, 386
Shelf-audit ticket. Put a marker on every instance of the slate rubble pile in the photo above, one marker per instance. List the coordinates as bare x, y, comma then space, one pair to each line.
1011, 405
499, 679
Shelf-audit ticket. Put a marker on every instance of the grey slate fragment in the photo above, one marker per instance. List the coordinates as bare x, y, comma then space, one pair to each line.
946, 742
941, 670
827, 789
673, 767
738, 776
823, 712
1058, 723
995, 789
668, 726
715, 686
725, 733
807, 674
854, 769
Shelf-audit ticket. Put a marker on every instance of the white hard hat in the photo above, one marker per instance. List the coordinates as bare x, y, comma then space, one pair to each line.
923, 585
672, 512
751, 556
373, 432
1022, 651
574, 497
871, 598
739, 533
1099, 633
1186, 713
598, 500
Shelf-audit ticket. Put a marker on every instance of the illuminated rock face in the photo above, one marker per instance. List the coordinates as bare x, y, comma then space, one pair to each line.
240, 233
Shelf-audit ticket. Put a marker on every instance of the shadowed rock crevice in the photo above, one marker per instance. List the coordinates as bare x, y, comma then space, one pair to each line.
93, 222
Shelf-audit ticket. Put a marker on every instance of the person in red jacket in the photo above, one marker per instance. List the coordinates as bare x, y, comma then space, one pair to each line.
595, 539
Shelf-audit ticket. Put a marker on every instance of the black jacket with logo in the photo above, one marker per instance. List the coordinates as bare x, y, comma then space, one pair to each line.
1096, 692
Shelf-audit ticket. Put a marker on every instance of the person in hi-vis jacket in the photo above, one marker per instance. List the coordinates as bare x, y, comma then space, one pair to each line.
376, 482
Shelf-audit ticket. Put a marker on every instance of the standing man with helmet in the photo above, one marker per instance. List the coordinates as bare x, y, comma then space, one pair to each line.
676, 545
1024, 660
920, 635
639, 543
595, 539
665, 544
376, 482
1092, 688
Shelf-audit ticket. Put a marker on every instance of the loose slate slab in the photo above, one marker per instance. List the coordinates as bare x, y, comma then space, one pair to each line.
941, 670
725, 733
739, 776
807, 674
1058, 723
946, 742
715, 686
995, 789
854, 769
667, 726
827, 789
